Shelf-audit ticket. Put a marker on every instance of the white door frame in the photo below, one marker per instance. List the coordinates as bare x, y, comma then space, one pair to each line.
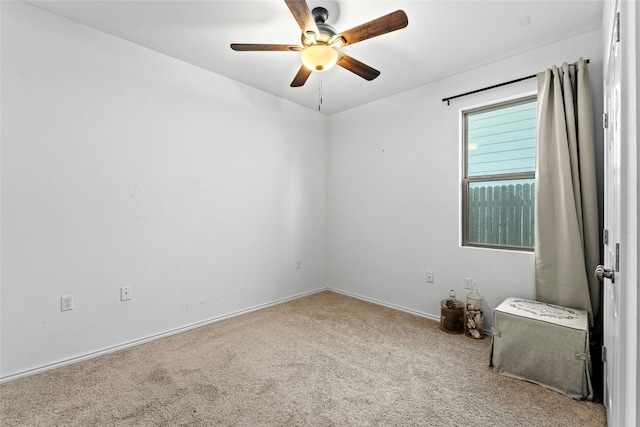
614, 286
630, 16
625, 409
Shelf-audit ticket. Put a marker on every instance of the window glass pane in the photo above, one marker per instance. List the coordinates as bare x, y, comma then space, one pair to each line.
502, 141
500, 213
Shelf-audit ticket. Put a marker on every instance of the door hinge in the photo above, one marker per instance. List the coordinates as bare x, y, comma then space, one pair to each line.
617, 257
605, 236
617, 35
604, 353
605, 121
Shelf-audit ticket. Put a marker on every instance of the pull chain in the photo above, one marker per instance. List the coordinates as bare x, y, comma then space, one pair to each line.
319, 94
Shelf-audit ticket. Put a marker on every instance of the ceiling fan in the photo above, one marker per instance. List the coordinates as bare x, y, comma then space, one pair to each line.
319, 41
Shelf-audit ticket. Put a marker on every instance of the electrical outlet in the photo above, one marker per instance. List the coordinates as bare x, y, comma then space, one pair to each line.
66, 303
429, 276
468, 283
298, 265
125, 293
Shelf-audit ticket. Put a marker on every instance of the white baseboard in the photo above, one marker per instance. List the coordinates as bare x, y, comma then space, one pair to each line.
486, 333
384, 304
186, 328
154, 337
396, 307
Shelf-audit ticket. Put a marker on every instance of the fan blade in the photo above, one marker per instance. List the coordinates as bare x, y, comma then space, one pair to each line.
248, 47
302, 15
357, 67
301, 77
385, 24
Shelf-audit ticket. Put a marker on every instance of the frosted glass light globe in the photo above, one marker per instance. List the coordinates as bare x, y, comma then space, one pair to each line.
319, 57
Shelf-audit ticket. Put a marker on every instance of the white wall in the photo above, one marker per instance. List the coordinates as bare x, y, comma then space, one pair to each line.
124, 167
394, 189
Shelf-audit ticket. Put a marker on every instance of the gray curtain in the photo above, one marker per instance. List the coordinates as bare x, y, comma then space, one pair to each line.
567, 244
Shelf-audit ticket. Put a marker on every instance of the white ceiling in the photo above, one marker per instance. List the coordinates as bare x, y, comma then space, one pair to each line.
443, 38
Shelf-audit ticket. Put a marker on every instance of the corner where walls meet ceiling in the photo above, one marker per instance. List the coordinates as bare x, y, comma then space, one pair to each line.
443, 38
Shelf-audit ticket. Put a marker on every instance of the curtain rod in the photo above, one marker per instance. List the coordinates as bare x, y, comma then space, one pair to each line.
490, 87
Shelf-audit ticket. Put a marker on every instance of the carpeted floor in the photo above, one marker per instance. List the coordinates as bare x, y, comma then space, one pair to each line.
321, 360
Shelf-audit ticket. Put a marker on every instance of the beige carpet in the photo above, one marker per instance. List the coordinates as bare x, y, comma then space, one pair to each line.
322, 360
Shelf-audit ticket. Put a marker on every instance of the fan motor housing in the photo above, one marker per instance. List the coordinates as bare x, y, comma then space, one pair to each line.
326, 31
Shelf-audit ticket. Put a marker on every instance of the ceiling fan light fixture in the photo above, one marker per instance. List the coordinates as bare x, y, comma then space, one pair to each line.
319, 57
319, 41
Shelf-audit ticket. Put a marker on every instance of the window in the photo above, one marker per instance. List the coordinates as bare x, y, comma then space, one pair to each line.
499, 143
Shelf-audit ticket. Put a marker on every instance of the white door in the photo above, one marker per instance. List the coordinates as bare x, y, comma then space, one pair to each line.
614, 284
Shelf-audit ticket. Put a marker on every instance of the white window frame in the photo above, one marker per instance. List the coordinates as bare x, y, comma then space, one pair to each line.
466, 181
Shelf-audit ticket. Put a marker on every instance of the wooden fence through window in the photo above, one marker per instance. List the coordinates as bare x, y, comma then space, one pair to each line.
502, 215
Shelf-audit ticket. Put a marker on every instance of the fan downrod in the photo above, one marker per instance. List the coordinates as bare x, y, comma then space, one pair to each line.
320, 16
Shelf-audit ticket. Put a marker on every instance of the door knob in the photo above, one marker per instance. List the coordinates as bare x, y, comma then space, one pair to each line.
602, 273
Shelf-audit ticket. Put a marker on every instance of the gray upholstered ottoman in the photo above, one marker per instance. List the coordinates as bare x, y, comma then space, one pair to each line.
543, 343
